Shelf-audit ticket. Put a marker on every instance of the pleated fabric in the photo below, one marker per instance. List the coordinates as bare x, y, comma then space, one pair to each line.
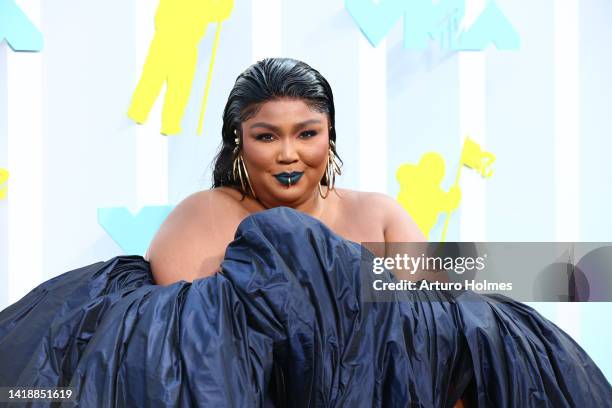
285, 324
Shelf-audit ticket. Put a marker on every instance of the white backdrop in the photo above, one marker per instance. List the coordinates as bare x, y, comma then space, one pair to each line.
543, 110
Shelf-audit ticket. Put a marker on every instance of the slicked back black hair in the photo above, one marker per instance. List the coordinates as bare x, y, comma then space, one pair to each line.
267, 80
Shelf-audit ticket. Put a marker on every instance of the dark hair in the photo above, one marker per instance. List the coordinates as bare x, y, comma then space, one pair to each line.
267, 80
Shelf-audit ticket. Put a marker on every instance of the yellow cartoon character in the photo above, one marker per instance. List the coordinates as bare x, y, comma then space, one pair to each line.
4, 175
172, 57
474, 157
420, 192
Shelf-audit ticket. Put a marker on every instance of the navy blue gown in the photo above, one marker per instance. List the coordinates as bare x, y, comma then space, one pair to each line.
284, 324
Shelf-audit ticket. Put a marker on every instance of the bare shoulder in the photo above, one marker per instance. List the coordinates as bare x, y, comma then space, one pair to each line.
200, 211
191, 241
397, 224
375, 204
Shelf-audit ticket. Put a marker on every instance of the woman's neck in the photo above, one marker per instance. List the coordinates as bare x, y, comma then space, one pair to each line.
313, 205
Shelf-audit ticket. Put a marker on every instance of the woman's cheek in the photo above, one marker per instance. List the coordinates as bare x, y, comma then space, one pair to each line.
315, 156
259, 157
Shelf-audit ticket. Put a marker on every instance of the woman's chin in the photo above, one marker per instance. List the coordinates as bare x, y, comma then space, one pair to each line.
288, 194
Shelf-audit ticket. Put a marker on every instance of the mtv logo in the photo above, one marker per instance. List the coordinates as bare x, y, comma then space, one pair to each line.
443, 21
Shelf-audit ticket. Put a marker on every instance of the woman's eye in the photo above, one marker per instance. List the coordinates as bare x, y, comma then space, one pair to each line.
308, 134
266, 137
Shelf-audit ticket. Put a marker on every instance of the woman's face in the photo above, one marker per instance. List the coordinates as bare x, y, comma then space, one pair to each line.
285, 148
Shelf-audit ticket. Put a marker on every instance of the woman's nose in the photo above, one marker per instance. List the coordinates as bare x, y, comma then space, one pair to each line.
288, 152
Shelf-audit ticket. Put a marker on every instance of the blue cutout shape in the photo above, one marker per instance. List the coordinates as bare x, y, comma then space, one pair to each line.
133, 233
422, 22
492, 26
425, 20
375, 20
17, 29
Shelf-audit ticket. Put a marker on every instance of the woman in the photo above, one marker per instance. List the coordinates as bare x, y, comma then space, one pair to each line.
285, 320
278, 150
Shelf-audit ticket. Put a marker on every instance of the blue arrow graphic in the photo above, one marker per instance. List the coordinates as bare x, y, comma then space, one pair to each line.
133, 233
17, 29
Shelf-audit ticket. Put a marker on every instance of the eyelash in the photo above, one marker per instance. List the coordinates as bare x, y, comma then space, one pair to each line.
312, 133
307, 133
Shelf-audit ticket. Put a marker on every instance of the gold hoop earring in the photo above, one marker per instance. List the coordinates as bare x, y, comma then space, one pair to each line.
321, 192
331, 171
238, 167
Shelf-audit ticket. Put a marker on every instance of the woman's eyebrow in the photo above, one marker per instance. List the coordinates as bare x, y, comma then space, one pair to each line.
276, 129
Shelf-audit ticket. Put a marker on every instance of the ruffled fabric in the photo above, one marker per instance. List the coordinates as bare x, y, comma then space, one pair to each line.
285, 323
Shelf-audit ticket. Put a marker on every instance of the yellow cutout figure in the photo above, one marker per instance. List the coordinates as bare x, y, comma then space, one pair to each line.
420, 192
4, 175
474, 157
172, 58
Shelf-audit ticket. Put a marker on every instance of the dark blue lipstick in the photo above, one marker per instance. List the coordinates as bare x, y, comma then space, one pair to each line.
289, 179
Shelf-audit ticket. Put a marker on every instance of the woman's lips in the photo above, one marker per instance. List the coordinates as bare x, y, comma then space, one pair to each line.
289, 179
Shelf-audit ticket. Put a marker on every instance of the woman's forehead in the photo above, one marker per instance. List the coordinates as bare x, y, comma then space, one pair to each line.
286, 110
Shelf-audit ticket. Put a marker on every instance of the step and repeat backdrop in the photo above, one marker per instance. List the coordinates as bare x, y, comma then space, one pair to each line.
487, 120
